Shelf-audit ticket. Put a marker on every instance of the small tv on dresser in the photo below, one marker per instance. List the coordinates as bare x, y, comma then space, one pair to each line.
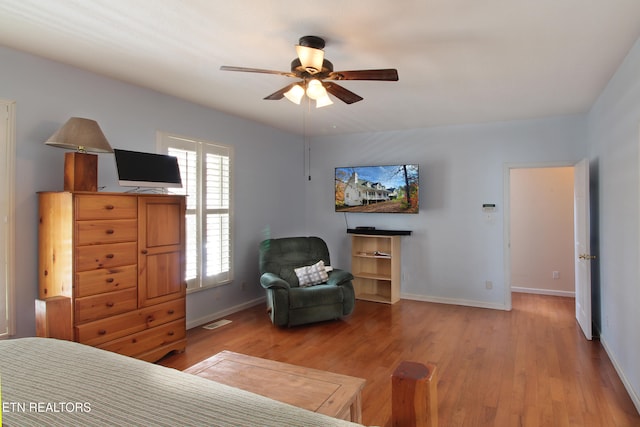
378, 189
137, 169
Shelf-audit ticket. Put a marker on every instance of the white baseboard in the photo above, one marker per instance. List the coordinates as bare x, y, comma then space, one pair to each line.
454, 301
627, 385
218, 314
553, 292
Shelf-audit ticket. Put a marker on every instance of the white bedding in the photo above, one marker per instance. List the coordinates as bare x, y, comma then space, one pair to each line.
62, 383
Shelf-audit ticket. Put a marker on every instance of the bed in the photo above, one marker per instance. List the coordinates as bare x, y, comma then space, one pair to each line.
62, 383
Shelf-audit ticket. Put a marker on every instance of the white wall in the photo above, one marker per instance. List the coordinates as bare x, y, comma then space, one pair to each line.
454, 249
268, 166
614, 124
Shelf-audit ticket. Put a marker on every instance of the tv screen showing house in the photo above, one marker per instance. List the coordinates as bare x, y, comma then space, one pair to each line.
377, 189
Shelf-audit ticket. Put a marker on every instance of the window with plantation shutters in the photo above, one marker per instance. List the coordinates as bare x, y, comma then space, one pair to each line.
205, 169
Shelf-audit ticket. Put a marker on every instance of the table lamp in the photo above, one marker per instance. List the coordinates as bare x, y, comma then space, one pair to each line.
80, 167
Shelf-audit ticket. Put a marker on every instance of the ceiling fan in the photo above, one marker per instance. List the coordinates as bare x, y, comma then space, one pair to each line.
317, 77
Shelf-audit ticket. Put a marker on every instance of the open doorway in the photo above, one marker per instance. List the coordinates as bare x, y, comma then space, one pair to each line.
543, 259
542, 230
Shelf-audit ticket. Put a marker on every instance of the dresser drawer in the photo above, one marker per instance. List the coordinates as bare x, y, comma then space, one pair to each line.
89, 207
104, 305
106, 256
125, 324
106, 231
103, 280
147, 340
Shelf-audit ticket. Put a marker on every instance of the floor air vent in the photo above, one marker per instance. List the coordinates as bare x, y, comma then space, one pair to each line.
217, 324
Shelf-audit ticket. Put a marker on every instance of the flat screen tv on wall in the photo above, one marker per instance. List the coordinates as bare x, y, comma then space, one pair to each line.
377, 189
136, 169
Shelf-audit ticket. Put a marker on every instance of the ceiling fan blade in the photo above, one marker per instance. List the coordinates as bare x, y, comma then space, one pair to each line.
388, 74
256, 70
341, 93
280, 93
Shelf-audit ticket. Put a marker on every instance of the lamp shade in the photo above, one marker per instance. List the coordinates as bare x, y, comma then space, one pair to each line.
315, 89
323, 101
295, 94
80, 134
310, 58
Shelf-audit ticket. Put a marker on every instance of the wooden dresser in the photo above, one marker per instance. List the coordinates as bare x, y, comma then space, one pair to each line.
111, 271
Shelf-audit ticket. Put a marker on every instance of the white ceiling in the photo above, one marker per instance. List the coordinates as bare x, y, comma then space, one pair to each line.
459, 61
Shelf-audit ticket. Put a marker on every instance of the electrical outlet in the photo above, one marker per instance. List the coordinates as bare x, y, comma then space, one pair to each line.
555, 275
488, 284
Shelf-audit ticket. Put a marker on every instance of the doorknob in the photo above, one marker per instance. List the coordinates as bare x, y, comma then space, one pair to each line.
587, 256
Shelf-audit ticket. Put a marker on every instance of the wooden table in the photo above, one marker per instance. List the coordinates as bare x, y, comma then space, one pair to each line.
336, 395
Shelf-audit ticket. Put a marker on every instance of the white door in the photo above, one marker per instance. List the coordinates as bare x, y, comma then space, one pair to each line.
582, 246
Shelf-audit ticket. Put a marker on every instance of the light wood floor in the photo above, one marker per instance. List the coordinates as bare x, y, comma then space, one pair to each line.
527, 367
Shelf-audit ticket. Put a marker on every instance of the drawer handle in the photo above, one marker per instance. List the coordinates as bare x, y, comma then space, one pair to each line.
110, 231
150, 319
109, 207
110, 256
110, 304
170, 311
144, 252
171, 333
110, 280
102, 332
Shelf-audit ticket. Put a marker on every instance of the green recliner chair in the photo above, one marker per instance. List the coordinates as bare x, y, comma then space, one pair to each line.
290, 302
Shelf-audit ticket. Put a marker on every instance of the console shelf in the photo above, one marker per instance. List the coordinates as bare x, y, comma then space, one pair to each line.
375, 265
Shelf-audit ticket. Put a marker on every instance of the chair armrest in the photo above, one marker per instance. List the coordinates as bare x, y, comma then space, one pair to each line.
270, 280
338, 277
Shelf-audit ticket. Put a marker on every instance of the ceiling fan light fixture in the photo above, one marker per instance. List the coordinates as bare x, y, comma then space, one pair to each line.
315, 75
323, 101
315, 89
295, 94
310, 58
